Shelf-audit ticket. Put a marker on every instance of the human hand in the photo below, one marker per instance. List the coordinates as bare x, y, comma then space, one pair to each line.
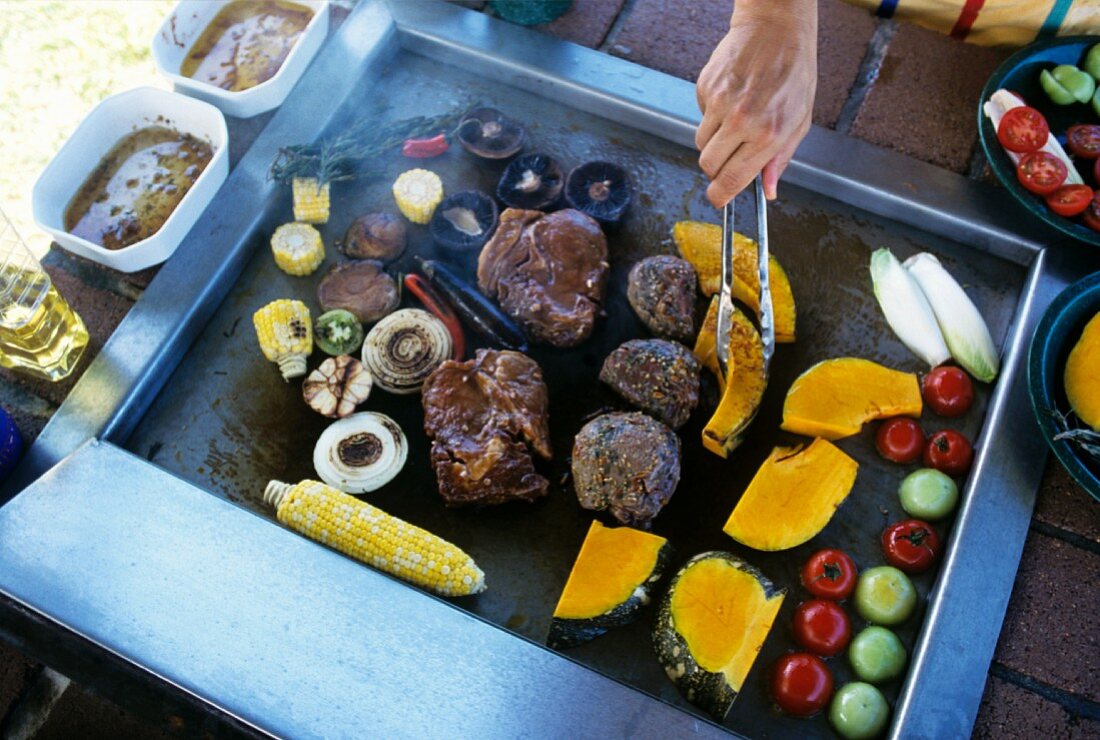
757, 95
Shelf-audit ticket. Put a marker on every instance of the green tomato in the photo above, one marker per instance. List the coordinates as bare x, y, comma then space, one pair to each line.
928, 494
859, 711
1092, 62
885, 595
877, 655
1079, 84
1054, 89
1096, 99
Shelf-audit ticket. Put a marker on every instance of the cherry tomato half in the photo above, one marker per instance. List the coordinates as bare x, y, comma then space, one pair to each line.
900, 440
1084, 140
1041, 173
829, 574
910, 545
822, 627
948, 452
1092, 213
801, 684
1069, 200
1023, 129
948, 390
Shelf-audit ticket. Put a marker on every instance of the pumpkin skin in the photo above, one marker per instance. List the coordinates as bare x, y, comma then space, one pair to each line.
701, 244
792, 497
1082, 375
711, 625
834, 398
613, 577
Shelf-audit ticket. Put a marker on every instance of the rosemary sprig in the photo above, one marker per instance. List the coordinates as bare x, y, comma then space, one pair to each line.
344, 156
1083, 438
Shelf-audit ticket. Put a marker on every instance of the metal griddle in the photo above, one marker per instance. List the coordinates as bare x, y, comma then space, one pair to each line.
193, 421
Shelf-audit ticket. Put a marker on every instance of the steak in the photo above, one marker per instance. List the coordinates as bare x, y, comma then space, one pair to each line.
548, 271
657, 376
661, 290
484, 417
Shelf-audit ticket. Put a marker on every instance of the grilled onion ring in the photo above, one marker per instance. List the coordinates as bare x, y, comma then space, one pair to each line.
361, 452
403, 349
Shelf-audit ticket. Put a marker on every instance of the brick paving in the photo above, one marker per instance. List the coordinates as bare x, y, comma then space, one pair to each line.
897, 86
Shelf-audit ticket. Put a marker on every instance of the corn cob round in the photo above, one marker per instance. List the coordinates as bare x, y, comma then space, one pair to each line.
311, 200
297, 248
286, 335
372, 536
417, 193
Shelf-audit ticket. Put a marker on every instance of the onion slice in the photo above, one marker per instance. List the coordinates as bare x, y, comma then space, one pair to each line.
403, 349
360, 453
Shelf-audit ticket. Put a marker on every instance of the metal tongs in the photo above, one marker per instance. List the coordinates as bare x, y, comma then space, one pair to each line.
725, 295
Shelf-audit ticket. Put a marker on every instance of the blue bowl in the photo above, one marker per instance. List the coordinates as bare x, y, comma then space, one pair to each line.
1058, 331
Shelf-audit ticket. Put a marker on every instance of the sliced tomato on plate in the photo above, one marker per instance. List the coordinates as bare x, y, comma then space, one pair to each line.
1023, 129
1092, 213
1041, 173
1084, 140
1069, 200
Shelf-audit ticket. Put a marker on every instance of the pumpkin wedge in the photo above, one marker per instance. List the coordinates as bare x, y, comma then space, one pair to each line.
711, 625
834, 398
741, 396
792, 496
1082, 375
701, 244
612, 579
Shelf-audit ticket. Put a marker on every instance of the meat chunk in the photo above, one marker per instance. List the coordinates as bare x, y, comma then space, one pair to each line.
484, 417
661, 290
548, 271
658, 376
628, 464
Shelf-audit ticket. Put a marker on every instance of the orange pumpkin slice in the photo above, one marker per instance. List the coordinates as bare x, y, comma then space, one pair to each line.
1082, 375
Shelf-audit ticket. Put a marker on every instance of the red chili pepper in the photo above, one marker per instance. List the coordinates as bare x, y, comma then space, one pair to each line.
420, 288
425, 148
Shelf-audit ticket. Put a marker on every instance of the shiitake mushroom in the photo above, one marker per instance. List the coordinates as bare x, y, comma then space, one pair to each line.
531, 182
600, 189
489, 134
375, 236
362, 287
464, 220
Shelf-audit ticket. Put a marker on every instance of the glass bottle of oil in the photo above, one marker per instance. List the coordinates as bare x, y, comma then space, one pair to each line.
39, 334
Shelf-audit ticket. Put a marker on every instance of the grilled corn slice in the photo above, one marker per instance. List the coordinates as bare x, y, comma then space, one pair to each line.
310, 200
297, 248
372, 536
286, 335
417, 193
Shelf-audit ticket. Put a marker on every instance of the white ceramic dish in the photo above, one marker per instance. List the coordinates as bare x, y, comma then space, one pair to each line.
100, 130
188, 20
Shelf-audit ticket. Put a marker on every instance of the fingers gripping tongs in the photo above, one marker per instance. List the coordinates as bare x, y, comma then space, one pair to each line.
725, 296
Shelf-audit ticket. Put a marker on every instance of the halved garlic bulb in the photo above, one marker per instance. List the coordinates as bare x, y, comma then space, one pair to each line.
337, 386
403, 349
360, 453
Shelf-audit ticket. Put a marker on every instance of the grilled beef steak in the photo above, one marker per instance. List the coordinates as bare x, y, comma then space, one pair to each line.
658, 376
548, 271
628, 464
484, 417
661, 290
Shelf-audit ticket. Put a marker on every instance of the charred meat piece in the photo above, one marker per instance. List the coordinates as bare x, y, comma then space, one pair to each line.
484, 417
661, 290
548, 271
658, 376
628, 464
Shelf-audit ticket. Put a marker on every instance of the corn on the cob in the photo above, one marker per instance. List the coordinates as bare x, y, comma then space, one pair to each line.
310, 200
297, 248
372, 536
286, 335
417, 193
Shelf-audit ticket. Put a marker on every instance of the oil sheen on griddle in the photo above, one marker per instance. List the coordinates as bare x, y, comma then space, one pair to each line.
135, 188
246, 43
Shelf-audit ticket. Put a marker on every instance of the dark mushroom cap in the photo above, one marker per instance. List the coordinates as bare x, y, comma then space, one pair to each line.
488, 133
600, 189
531, 182
464, 220
375, 236
362, 287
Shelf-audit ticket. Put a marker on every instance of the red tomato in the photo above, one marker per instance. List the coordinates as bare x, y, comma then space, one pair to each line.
822, 627
1023, 129
899, 440
1092, 213
911, 545
948, 390
829, 574
1041, 173
949, 452
1069, 200
1084, 140
801, 684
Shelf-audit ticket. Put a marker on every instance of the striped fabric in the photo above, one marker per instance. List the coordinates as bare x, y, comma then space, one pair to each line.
994, 22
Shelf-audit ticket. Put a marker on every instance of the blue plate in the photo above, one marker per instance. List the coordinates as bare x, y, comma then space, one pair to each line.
1058, 331
1020, 74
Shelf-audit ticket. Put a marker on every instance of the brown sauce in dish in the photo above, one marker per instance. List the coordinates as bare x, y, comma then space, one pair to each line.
135, 188
246, 43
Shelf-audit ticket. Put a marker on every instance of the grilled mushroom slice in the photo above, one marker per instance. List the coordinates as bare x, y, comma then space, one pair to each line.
337, 386
464, 220
362, 287
489, 134
600, 189
531, 181
361, 453
375, 236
